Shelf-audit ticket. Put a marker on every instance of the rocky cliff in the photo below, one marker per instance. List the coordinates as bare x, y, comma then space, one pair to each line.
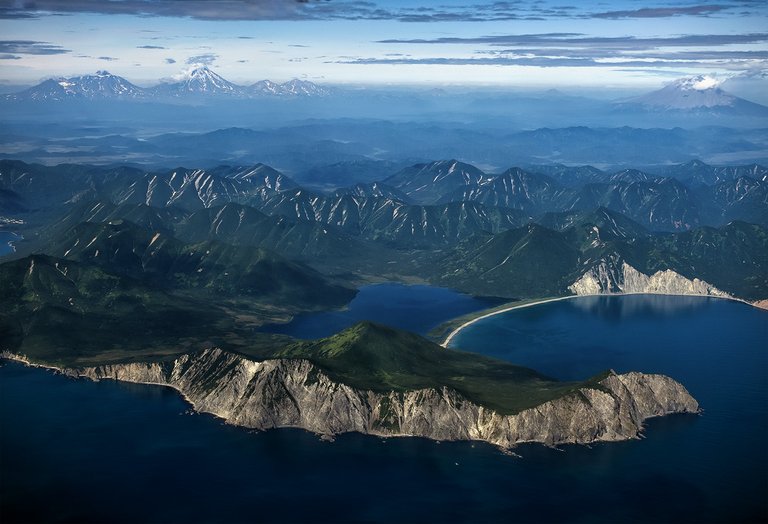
296, 393
616, 276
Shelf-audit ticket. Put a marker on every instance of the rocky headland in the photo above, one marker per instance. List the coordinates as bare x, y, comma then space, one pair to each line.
296, 393
608, 277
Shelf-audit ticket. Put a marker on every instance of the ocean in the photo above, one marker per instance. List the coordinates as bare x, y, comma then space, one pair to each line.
79, 451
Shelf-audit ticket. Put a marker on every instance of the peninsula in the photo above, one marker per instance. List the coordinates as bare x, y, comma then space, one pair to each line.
379, 381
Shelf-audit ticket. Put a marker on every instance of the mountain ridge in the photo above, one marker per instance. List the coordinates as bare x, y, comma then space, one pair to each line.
198, 81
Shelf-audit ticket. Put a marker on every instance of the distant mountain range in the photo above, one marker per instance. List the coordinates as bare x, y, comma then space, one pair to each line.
699, 94
197, 82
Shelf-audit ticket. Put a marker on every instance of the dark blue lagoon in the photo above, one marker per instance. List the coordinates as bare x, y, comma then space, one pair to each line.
78, 451
413, 308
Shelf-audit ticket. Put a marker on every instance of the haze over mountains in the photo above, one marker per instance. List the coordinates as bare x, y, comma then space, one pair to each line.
196, 82
700, 93
327, 137
315, 182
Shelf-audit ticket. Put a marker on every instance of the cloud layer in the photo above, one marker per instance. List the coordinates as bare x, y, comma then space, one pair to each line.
725, 51
31, 47
426, 12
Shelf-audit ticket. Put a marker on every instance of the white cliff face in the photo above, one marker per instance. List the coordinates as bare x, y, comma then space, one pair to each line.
295, 393
607, 278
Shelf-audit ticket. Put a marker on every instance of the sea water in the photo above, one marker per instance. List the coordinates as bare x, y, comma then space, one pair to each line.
415, 308
80, 451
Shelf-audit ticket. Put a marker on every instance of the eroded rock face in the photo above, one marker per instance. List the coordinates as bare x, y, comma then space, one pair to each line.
295, 393
612, 277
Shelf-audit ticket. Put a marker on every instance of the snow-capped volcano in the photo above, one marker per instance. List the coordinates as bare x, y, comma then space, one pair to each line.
101, 85
698, 93
199, 80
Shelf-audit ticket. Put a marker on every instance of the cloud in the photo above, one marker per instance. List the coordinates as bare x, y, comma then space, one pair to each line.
150, 47
8, 13
662, 12
487, 12
337, 10
199, 9
525, 61
427, 12
170, 61
31, 47
756, 77
657, 54
749, 84
666, 73
759, 74
204, 59
544, 61
108, 58
9, 57
579, 39
580, 50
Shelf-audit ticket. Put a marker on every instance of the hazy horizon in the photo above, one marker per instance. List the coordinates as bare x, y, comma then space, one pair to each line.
526, 45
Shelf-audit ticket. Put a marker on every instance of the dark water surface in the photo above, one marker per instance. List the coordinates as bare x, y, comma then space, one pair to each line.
78, 451
413, 308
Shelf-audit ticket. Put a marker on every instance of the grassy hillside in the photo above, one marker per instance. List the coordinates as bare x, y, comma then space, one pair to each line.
534, 261
61, 311
375, 357
531, 261
733, 258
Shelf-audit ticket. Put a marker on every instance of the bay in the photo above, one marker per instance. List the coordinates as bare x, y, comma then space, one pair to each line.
415, 308
79, 451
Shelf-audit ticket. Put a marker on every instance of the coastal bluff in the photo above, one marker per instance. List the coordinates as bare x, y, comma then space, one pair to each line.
296, 393
614, 276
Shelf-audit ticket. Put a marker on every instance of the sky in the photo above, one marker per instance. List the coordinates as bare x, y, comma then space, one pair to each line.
542, 43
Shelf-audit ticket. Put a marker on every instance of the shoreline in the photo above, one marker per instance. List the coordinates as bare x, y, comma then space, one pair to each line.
759, 304
535, 302
621, 426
